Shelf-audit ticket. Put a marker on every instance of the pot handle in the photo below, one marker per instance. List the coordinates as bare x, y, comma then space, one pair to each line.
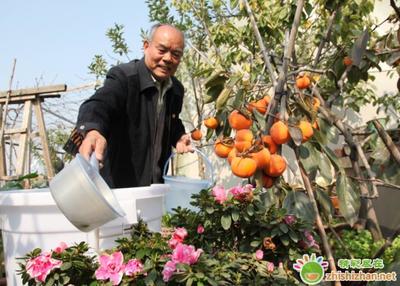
94, 162
206, 160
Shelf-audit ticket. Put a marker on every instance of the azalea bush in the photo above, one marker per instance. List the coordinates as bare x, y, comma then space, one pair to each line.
236, 237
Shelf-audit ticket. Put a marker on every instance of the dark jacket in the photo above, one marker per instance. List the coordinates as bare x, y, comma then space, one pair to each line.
123, 111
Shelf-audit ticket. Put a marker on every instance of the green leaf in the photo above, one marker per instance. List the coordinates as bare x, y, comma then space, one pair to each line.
394, 57
332, 157
209, 134
349, 201
309, 157
235, 215
212, 282
212, 93
66, 266
295, 133
210, 210
359, 48
50, 282
202, 72
250, 210
325, 202
28, 176
269, 199
226, 221
255, 243
283, 227
325, 169
285, 240
260, 118
141, 253
151, 277
65, 279
327, 133
298, 203
216, 78
354, 75
275, 232
223, 98
200, 275
293, 236
189, 282
237, 102
233, 4
308, 7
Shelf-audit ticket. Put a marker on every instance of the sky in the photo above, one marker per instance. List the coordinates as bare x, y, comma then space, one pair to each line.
54, 41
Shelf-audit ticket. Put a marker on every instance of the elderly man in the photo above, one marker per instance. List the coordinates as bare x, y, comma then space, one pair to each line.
132, 122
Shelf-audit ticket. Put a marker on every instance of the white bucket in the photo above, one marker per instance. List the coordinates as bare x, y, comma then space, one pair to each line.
31, 218
182, 188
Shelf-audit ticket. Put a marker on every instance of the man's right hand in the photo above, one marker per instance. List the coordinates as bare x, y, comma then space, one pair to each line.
96, 142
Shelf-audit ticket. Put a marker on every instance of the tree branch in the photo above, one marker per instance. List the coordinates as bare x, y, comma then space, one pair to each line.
318, 219
394, 151
340, 241
339, 89
396, 9
279, 90
203, 22
379, 182
326, 36
200, 53
265, 52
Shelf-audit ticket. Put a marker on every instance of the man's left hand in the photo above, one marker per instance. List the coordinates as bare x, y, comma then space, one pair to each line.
184, 144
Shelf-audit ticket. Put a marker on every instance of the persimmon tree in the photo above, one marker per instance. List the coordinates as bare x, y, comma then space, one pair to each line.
310, 58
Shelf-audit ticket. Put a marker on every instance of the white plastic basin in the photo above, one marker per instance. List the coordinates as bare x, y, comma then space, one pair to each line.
31, 218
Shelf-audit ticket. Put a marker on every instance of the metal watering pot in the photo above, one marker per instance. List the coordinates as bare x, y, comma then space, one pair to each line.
182, 188
83, 196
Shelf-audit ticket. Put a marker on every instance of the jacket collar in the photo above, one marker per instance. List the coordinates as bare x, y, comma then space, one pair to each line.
145, 79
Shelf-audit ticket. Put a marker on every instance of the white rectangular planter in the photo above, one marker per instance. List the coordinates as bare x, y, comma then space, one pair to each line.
30, 219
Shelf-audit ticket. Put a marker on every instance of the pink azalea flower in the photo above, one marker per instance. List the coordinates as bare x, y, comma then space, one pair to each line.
111, 267
40, 266
180, 233
240, 193
270, 267
310, 241
259, 254
61, 247
182, 253
178, 236
169, 269
219, 194
236, 191
172, 243
200, 229
186, 254
248, 188
289, 219
133, 267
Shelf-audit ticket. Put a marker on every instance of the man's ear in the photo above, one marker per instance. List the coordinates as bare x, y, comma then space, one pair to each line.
145, 44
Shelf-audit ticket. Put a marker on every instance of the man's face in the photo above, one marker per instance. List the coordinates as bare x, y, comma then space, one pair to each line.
163, 54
